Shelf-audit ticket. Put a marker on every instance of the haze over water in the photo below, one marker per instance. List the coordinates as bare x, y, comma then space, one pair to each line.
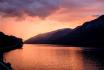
54, 57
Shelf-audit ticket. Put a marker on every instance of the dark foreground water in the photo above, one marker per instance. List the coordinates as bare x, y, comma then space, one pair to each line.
55, 57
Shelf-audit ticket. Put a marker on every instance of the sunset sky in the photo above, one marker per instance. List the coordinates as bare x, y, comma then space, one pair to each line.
27, 18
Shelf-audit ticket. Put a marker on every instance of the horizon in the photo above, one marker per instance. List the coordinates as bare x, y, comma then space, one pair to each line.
37, 17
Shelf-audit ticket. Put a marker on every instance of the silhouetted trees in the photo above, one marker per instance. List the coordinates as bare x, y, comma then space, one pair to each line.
8, 43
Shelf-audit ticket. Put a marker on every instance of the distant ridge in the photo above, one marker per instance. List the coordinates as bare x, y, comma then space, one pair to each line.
89, 34
48, 37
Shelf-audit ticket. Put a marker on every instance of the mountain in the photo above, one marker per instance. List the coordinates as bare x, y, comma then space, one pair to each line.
49, 37
89, 34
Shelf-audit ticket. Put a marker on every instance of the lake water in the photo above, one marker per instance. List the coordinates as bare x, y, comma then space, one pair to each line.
55, 57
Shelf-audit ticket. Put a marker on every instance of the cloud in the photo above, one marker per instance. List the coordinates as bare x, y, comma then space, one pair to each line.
76, 10
41, 8
44, 8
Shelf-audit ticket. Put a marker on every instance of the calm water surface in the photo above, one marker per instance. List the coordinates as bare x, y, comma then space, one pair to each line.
55, 57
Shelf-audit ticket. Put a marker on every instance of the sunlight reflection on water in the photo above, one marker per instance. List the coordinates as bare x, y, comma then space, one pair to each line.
50, 57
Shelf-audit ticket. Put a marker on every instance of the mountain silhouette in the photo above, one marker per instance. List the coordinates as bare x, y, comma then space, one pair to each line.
49, 37
91, 33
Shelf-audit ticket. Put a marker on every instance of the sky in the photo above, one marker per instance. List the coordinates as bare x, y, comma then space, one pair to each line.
27, 18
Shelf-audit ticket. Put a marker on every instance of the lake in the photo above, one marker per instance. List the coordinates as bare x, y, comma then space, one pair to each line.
55, 57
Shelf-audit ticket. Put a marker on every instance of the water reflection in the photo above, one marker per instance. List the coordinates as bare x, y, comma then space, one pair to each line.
96, 56
54, 57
